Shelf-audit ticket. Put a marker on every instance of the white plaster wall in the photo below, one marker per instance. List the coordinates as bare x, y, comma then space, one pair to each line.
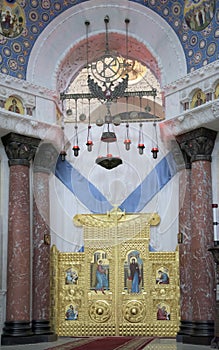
45, 110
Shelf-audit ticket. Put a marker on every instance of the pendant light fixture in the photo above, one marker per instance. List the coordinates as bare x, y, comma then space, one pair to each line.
89, 143
107, 85
75, 147
155, 148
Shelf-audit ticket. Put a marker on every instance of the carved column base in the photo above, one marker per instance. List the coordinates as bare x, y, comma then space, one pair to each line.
41, 327
200, 332
17, 328
215, 343
15, 333
34, 339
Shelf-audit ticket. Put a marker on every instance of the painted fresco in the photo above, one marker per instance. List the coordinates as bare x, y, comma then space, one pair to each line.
198, 99
71, 313
162, 276
133, 272
217, 91
163, 312
199, 13
14, 104
12, 19
99, 272
71, 276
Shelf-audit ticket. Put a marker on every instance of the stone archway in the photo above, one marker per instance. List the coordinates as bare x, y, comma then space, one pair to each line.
65, 34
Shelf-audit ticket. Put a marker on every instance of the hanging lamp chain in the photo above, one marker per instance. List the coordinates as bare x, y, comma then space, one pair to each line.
106, 21
87, 23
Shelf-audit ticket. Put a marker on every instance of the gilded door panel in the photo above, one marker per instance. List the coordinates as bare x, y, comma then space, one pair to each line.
116, 287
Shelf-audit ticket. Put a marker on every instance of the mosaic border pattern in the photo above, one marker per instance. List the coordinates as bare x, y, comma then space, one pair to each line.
201, 47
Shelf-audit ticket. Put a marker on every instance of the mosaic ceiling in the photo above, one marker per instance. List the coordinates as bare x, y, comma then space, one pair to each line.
196, 23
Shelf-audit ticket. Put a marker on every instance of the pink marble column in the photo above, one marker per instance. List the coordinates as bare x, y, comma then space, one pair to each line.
20, 150
203, 269
183, 166
43, 163
18, 278
197, 147
185, 246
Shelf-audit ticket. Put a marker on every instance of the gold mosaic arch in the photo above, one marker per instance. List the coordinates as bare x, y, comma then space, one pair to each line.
121, 288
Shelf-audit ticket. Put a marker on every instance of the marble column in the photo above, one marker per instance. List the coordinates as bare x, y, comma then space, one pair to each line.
198, 299
215, 341
44, 163
185, 247
20, 151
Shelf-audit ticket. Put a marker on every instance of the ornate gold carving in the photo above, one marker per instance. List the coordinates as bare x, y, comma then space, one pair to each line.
134, 311
110, 306
114, 217
100, 311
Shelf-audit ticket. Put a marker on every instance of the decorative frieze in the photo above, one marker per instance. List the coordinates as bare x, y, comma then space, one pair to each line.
189, 120
25, 126
22, 88
204, 77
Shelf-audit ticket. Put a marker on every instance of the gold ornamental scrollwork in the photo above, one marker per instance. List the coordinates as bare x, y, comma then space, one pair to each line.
122, 301
100, 311
134, 311
114, 217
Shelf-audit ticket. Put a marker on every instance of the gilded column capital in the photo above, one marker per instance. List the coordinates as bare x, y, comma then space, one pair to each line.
197, 144
45, 158
20, 149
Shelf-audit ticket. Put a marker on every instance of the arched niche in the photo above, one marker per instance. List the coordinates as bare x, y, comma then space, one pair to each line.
148, 32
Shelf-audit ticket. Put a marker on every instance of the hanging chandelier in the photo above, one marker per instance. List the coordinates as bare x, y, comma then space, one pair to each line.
107, 83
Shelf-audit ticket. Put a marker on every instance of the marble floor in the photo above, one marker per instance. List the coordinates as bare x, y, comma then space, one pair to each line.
157, 344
